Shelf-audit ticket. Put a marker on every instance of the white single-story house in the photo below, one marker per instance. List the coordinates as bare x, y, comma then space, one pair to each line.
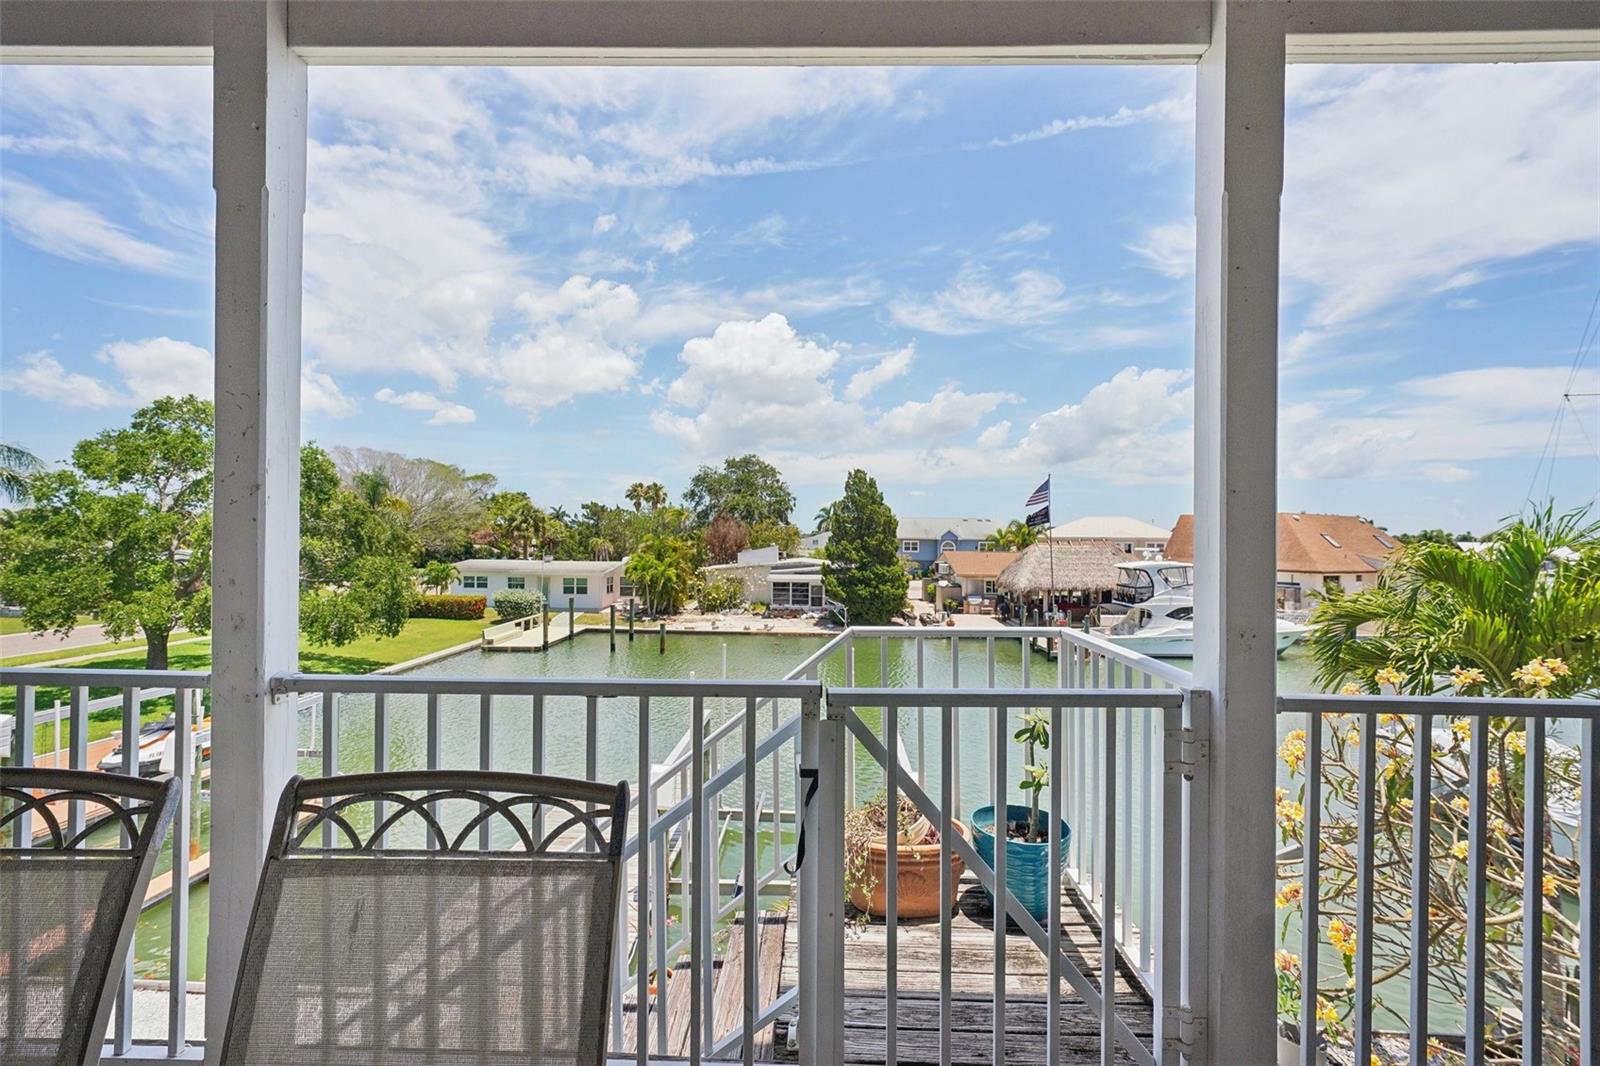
1130, 534
768, 577
970, 577
590, 585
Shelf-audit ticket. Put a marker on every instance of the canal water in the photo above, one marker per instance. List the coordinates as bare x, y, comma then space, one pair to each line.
700, 655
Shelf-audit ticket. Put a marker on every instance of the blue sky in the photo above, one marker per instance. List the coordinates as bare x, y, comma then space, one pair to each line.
957, 278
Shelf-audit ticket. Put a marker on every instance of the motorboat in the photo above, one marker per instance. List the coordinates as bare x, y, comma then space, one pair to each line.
155, 747
1156, 601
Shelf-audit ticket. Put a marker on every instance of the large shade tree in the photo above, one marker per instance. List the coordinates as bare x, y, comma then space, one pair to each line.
443, 503
863, 569
16, 464
123, 534
746, 486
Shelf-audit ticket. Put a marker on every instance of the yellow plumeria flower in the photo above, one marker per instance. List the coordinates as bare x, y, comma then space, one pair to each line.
1462, 804
1291, 813
1466, 676
1342, 935
1389, 676
1388, 719
1539, 673
1459, 849
1287, 962
1353, 737
1549, 886
1350, 688
1462, 729
1293, 749
1498, 825
1292, 892
1325, 1012
1494, 777
1517, 742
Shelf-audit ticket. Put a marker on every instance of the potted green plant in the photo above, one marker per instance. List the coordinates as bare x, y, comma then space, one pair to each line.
866, 845
1026, 831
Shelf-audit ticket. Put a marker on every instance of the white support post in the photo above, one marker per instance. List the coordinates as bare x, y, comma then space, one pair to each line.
1238, 184
822, 742
259, 172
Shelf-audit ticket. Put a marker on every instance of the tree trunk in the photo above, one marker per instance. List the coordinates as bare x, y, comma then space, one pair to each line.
155, 648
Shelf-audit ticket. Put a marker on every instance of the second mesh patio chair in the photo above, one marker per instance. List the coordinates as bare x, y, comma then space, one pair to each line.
76, 851
386, 933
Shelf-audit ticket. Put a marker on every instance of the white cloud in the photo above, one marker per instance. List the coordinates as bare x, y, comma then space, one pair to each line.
42, 377
673, 239
1172, 109
1402, 181
321, 395
159, 366
1447, 473
1168, 249
156, 116
971, 304
603, 223
576, 343
443, 412
1026, 233
947, 413
994, 436
771, 230
74, 230
895, 364
1137, 425
145, 370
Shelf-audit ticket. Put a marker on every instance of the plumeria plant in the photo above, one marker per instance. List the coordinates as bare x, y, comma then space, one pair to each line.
1520, 618
1034, 736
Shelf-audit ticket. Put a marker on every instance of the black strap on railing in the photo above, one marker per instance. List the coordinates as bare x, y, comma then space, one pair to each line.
793, 868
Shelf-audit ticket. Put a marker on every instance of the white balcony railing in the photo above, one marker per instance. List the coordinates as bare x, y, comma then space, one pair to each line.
716, 828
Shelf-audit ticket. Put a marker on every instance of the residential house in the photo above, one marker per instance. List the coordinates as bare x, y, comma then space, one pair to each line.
588, 584
768, 577
969, 577
923, 539
1132, 535
1315, 552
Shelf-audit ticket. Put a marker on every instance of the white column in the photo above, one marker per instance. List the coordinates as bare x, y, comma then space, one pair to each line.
1238, 181
259, 171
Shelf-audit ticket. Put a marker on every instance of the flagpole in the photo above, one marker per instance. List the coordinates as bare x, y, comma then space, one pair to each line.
1049, 544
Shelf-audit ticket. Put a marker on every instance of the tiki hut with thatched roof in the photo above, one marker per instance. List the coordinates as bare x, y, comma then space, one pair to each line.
1087, 568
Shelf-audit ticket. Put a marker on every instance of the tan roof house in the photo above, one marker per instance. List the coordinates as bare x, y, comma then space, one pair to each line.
1315, 551
971, 574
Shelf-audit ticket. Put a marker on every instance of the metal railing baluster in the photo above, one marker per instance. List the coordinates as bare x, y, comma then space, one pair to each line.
1589, 895
891, 887
1052, 999
699, 872
178, 958
1310, 896
641, 888
1421, 872
1365, 875
122, 1029
997, 786
752, 891
1108, 945
1477, 895
1533, 776
947, 743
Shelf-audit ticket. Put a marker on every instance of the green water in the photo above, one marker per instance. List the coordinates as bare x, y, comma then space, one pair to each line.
748, 656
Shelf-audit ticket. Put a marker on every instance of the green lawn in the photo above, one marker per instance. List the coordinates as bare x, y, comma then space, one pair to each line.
14, 625
87, 649
420, 636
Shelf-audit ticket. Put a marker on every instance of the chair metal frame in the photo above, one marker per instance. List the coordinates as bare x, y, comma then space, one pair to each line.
311, 807
144, 808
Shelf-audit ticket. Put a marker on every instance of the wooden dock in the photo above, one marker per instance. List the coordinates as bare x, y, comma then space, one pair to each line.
972, 988
917, 1009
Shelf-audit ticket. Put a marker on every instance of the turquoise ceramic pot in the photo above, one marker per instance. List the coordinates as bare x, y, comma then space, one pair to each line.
1027, 864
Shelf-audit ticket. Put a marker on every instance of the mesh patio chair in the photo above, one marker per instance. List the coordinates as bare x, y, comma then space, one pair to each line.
69, 903
386, 934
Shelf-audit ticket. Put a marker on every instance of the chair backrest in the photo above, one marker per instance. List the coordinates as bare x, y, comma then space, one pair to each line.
433, 917
71, 887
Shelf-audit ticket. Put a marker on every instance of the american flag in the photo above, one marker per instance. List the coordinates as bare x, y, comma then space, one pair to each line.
1040, 495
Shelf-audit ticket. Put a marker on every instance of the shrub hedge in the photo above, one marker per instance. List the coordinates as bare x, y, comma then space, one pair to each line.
517, 603
458, 608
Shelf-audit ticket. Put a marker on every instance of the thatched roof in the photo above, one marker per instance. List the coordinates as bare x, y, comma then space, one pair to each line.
1088, 565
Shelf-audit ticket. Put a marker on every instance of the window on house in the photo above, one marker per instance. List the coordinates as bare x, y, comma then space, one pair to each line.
475, 581
516, 582
628, 591
988, 588
1385, 541
947, 545
611, 583
985, 546
574, 586
1330, 540
910, 547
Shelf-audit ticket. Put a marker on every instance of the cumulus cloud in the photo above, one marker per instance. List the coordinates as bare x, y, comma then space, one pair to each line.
1137, 424
1168, 249
673, 239
74, 230
604, 223
41, 376
143, 371
864, 382
442, 412
973, 304
575, 343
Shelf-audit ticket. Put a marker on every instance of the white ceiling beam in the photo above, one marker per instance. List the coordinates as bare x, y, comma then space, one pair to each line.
105, 31
742, 31
1441, 31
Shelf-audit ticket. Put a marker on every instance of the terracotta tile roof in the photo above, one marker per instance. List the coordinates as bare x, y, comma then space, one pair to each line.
1310, 543
986, 565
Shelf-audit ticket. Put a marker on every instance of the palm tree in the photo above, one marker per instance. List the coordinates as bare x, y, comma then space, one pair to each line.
601, 549
1532, 593
560, 514
15, 466
824, 517
663, 568
636, 495
1013, 537
655, 495
438, 574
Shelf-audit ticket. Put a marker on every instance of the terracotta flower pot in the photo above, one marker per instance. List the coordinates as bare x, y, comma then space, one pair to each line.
918, 880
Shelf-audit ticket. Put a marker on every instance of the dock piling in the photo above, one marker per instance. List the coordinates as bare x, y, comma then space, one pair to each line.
544, 620
613, 629
663, 631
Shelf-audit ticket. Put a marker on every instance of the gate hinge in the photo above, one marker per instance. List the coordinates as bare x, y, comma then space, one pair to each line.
1183, 1030
1184, 751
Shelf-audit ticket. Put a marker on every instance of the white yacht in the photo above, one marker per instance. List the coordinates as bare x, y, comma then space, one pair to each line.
1156, 597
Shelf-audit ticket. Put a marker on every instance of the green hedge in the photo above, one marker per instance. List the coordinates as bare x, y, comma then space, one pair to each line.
458, 608
517, 603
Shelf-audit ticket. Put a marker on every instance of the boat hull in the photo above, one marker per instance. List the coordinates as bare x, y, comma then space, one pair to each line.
1181, 646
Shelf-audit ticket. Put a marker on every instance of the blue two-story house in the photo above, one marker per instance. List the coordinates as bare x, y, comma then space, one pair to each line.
922, 539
